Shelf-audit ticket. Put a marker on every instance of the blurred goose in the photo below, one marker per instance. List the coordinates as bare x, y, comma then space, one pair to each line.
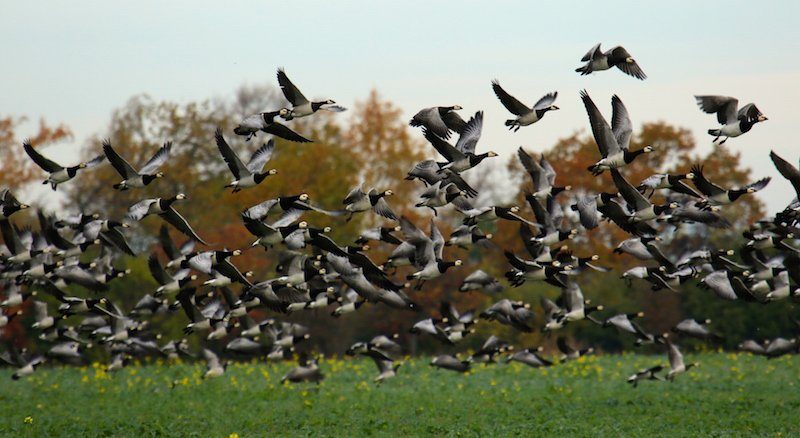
676, 363
530, 357
302, 107
597, 60
570, 353
265, 122
716, 195
249, 175
214, 368
787, 170
735, 121
752, 346
58, 173
612, 140
43, 320
696, 329
645, 374
307, 371
480, 281
169, 284
440, 120
10, 204
525, 116
467, 235
516, 314
780, 346
130, 177
448, 362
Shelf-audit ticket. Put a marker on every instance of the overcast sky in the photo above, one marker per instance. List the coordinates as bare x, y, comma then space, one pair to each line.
74, 62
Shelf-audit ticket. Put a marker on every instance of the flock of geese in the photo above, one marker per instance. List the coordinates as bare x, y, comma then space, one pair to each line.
217, 298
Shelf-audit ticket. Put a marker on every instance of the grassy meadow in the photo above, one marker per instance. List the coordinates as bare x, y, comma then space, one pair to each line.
727, 394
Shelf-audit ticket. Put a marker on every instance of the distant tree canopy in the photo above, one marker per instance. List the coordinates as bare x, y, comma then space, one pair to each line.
373, 142
16, 169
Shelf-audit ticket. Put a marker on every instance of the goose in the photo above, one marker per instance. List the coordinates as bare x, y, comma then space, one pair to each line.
643, 210
490, 348
348, 303
386, 369
480, 281
10, 204
378, 234
570, 353
549, 234
58, 173
433, 327
597, 60
525, 116
735, 121
357, 201
169, 284
691, 213
696, 329
586, 206
307, 371
637, 247
163, 207
175, 254
624, 322
514, 313
428, 256
302, 107
214, 367
245, 346
26, 367
473, 215
429, 172
146, 174
462, 156
673, 182
270, 235
787, 170
209, 261
613, 141
43, 320
574, 304
249, 175
542, 175
645, 374
716, 195
467, 235
676, 363
780, 346
265, 122
522, 270
752, 346
529, 357
440, 120
448, 362
438, 196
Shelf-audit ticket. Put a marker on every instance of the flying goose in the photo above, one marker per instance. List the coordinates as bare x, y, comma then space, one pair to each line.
448, 362
613, 141
467, 235
307, 371
130, 177
525, 116
481, 281
673, 182
462, 156
787, 170
514, 313
214, 367
530, 357
542, 175
696, 329
357, 201
642, 209
735, 121
716, 195
10, 204
265, 122
440, 120
645, 374
597, 60
249, 175
302, 107
58, 173
163, 207
570, 353
676, 364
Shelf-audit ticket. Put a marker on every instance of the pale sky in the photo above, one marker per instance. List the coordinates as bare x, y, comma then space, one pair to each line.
74, 62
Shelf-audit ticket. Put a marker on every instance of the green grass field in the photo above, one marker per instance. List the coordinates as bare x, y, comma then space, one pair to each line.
727, 394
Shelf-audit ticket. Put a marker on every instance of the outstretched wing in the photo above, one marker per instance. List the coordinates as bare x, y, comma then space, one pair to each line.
120, 165
511, 103
159, 158
291, 92
238, 169
40, 160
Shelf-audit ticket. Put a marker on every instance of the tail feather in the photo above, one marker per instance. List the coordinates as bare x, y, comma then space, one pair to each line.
715, 132
509, 122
